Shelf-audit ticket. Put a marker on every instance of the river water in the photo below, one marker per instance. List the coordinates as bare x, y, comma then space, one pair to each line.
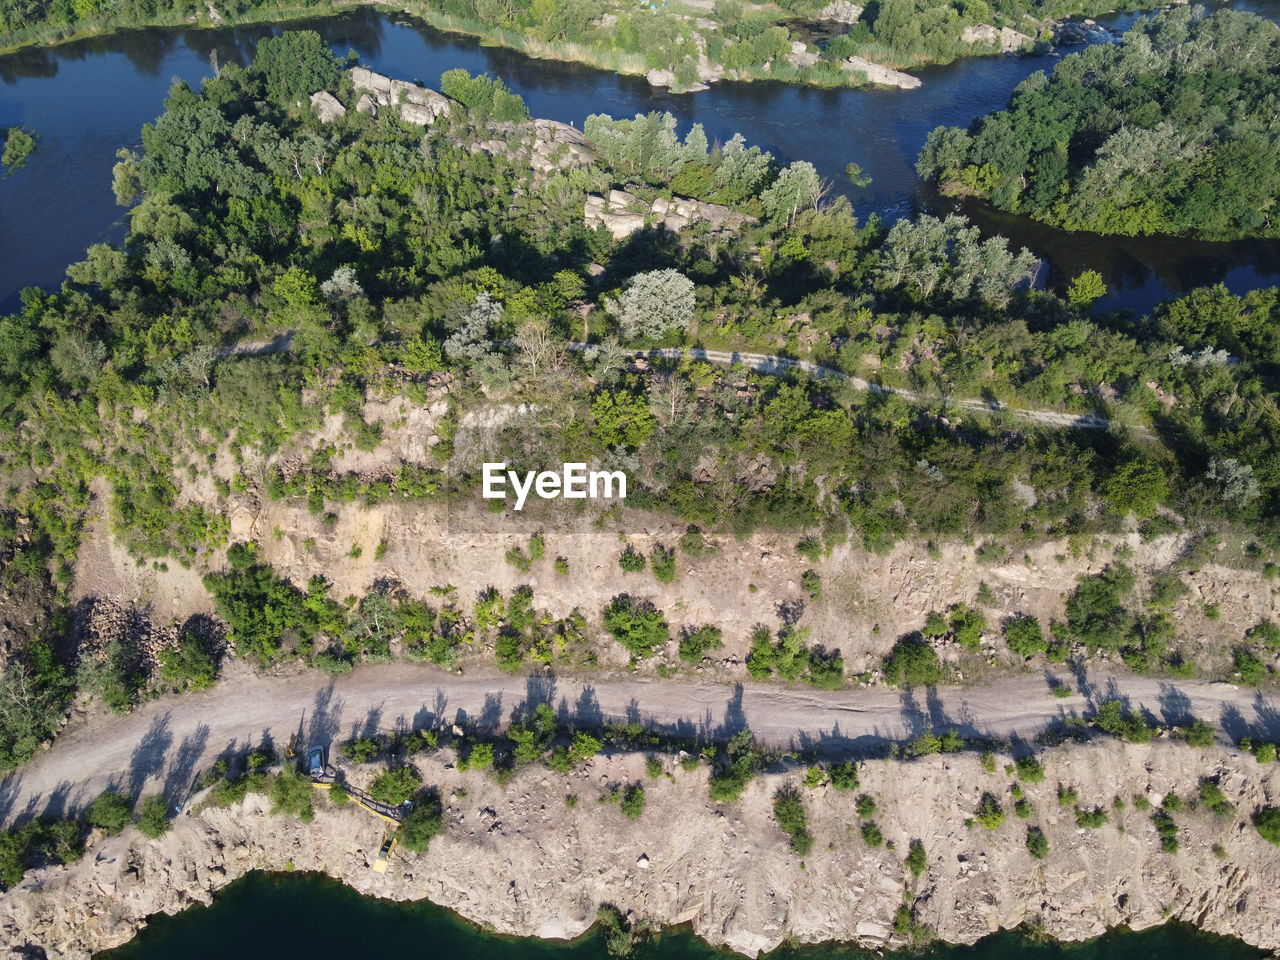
88, 99
270, 917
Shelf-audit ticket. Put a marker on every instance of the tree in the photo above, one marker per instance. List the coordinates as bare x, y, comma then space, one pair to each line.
153, 816
622, 419
1087, 287
652, 304
110, 811
291, 793
294, 65
796, 189
422, 823
1267, 820
395, 786
18, 146
788, 810
917, 860
1024, 636
1037, 843
912, 663
637, 625
1137, 485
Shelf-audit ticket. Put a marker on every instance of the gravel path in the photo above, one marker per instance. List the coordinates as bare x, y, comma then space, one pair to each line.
165, 742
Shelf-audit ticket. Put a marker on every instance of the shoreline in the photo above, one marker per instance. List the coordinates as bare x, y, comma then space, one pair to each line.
620, 63
517, 860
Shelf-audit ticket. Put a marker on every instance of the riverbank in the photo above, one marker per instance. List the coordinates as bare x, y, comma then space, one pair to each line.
522, 859
801, 66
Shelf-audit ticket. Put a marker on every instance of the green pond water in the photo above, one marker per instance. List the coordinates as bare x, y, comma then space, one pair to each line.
303, 915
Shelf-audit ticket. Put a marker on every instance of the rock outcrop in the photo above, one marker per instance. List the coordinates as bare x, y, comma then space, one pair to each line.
1008, 39
520, 861
841, 11
417, 104
327, 107
624, 213
879, 73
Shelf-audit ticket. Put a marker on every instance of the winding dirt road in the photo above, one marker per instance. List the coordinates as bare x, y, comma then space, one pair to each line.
164, 743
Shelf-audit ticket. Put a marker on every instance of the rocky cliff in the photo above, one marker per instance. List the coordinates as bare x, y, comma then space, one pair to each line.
522, 860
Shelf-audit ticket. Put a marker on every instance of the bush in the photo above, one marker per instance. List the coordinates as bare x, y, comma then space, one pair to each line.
917, 860
631, 560
423, 822
967, 625
637, 625
866, 806
153, 815
110, 811
663, 563
1267, 820
1252, 671
695, 644
1214, 799
1199, 733
788, 810
811, 583
871, 834
1091, 819
1030, 769
740, 761
912, 663
844, 776
1024, 636
1167, 829
1037, 843
1114, 719
990, 814
291, 795
362, 749
633, 801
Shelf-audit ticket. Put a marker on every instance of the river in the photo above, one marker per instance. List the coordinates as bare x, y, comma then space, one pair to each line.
89, 98
273, 916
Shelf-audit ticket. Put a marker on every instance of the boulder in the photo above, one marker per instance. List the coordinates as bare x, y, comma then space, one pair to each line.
841, 11
327, 107
879, 73
417, 105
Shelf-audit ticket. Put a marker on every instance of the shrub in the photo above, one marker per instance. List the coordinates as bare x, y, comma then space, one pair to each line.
153, 815
1214, 799
1167, 829
1024, 636
637, 625
423, 822
990, 814
1067, 796
1199, 733
871, 834
1252, 671
1113, 718
740, 762
663, 563
811, 583
866, 806
396, 786
912, 663
1091, 819
695, 644
362, 749
917, 859
633, 801
967, 625
844, 776
653, 767
1267, 820
1037, 843
631, 560
110, 811
788, 810
1030, 769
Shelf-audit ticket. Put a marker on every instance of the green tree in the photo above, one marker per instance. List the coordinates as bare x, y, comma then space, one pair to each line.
110, 811
1087, 287
637, 625
912, 663
422, 823
153, 816
652, 304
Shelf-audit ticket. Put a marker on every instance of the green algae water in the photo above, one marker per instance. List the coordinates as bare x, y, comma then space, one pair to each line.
271, 916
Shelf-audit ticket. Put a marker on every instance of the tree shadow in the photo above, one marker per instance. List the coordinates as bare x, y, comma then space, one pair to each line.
789, 611
1268, 716
586, 709
326, 718
913, 717
1080, 671
148, 757
1175, 706
369, 726
180, 779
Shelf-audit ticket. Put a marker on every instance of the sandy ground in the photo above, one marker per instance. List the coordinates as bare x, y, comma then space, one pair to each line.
163, 744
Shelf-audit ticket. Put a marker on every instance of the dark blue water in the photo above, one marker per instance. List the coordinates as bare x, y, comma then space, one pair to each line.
280, 917
88, 99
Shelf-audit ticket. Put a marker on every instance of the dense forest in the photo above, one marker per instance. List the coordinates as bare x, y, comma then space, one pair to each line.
1172, 131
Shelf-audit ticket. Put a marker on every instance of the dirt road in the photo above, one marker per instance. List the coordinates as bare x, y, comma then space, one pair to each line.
165, 743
